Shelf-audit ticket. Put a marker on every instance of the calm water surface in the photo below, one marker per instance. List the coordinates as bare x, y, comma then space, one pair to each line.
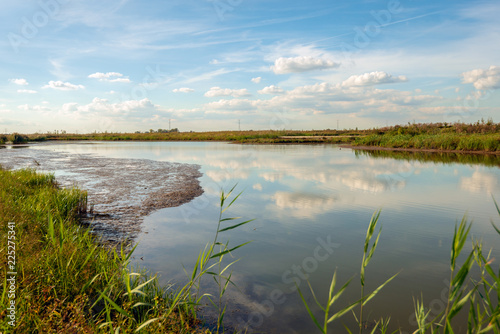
312, 205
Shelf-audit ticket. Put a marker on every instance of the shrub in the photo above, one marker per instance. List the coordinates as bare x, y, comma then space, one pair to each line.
17, 138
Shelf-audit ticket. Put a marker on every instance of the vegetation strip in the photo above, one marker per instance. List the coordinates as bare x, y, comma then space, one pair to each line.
482, 136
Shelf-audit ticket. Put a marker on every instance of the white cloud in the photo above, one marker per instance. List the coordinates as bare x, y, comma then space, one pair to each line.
256, 80
327, 98
141, 109
109, 77
59, 85
372, 78
217, 91
301, 64
183, 90
36, 108
125, 106
483, 79
27, 91
20, 82
232, 106
274, 90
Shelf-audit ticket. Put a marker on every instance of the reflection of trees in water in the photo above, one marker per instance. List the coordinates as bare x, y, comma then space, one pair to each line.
436, 157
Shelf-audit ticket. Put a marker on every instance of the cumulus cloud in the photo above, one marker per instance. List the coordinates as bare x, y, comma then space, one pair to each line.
183, 90
132, 109
217, 91
273, 90
110, 77
372, 78
327, 98
59, 85
27, 91
301, 64
256, 80
36, 108
483, 79
232, 106
20, 82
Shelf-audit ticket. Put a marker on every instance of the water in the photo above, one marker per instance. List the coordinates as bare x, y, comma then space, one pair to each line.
312, 205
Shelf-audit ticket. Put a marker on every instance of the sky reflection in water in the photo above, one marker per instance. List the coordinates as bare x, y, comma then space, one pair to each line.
307, 196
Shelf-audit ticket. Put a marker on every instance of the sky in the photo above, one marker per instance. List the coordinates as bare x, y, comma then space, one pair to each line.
129, 65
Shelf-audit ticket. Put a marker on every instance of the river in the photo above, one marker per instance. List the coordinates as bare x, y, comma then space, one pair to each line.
312, 205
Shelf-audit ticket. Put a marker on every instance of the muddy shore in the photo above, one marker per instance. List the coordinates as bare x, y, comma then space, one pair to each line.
121, 192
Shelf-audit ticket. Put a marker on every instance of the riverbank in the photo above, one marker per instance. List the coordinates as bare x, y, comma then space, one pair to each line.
64, 282
457, 137
121, 192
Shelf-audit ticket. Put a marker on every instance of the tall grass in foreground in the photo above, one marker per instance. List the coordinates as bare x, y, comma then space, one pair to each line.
482, 296
68, 283
369, 250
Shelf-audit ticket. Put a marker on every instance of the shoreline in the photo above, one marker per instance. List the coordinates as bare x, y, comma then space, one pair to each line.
121, 192
425, 150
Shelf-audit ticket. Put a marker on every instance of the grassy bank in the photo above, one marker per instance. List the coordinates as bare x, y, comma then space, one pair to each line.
481, 136
491, 160
461, 137
268, 136
65, 282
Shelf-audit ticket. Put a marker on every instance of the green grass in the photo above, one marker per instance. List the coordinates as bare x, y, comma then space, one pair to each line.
268, 136
492, 160
478, 299
66, 282
480, 136
443, 141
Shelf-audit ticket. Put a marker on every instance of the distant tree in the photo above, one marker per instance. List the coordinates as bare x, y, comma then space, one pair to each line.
3, 139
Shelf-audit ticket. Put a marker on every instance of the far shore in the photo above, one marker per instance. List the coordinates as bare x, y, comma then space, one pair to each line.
429, 150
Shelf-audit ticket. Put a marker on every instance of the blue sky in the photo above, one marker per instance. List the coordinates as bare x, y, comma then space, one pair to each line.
127, 65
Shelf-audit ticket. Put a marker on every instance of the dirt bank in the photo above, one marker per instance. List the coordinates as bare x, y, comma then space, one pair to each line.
121, 192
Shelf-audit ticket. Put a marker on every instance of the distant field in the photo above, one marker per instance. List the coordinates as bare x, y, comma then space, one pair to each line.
475, 137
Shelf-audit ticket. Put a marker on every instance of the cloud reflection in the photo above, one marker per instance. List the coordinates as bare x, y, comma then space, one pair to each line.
480, 182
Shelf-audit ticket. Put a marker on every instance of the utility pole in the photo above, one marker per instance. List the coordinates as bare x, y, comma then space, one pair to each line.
239, 125
337, 125
169, 128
